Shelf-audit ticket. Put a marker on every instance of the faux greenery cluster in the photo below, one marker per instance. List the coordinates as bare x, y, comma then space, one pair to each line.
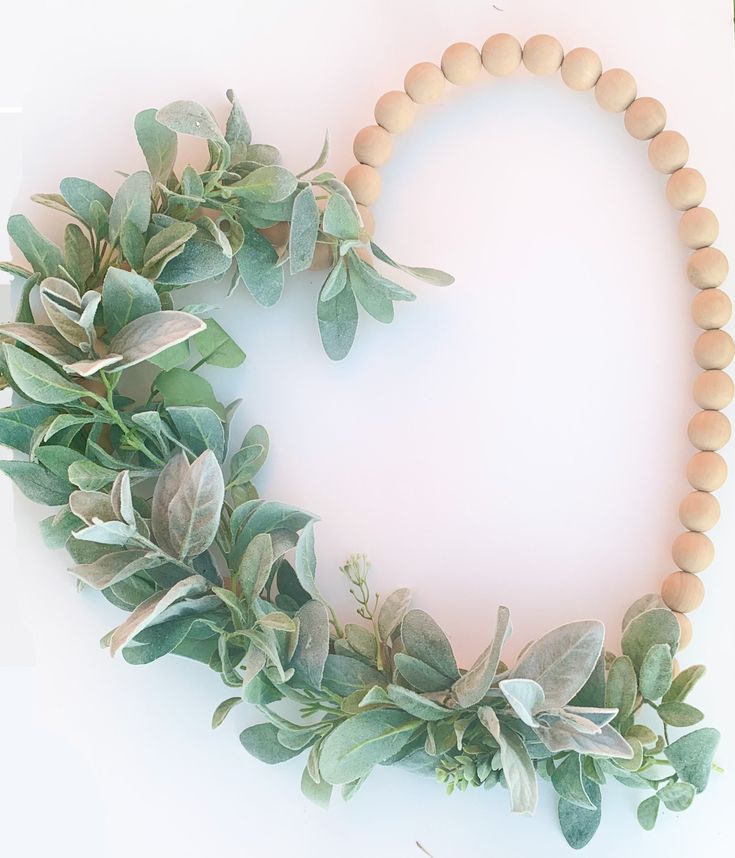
163, 518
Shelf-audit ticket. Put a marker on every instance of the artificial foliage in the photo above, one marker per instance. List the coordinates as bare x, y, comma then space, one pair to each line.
158, 510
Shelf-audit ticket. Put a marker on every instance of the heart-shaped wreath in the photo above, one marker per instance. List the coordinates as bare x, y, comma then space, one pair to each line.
155, 520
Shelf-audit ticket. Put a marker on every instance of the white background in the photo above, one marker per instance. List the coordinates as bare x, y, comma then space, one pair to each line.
518, 438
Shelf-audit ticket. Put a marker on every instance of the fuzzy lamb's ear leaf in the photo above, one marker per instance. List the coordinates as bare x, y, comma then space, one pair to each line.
649, 602
692, 756
261, 741
392, 612
525, 697
338, 319
655, 626
149, 335
237, 131
188, 117
170, 479
131, 206
255, 566
569, 782
42, 254
520, 774
474, 685
158, 144
579, 824
194, 511
657, 671
38, 381
312, 646
684, 682
622, 686
423, 639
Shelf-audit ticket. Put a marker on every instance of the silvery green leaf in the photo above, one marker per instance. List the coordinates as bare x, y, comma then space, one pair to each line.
648, 602
112, 568
18, 422
249, 459
43, 339
321, 160
87, 368
67, 321
592, 693
255, 566
692, 756
355, 746
261, 741
91, 506
89, 476
217, 347
655, 626
151, 334
107, 533
344, 675
335, 187
181, 387
43, 255
194, 510
237, 132
429, 275
423, 639
269, 184
312, 646
569, 782
335, 282
338, 323
38, 381
158, 144
170, 479
372, 300
164, 246
361, 641
595, 716
622, 687
36, 483
304, 230
677, 796
562, 660
81, 194
24, 312
578, 824
647, 812
199, 428
57, 528
100, 219
525, 698
257, 262
416, 705
474, 685
192, 184
188, 117
54, 201
126, 296
375, 281
173, 357
420, 675
131, 205
320, 793
518, 769
656, 673
306, 560
678, 714
78, 255
682, 684
223, 710
562, 736
392, 612
15, 270
340, 219
233, 232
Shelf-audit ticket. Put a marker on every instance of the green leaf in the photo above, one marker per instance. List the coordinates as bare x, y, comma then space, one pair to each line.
335, 282
429, 275
320, 793
338, 323
692, 755
36, 483
81, 194
312, 647
578, 825
656, 673
237, 132
392, 612
188, 117
269, 184
525, 697
684, 683
257, 263
469, 689
89, 476
158, 144
18, 423
344, 675
423, 639
647, 602
678, 714
78, 255
217, 347
223, 710
43, 255
657, 626
262, 742
306, 560
340, 219
677, 796
131, 205
164, 246
420, 675
569, 782
358, 744
647, 812
126, 296
622, 687
249, 459
151, 334
199, 428
517, 765
200, 260
38, 381
304, 230
181, 387
372, 299
255, 566
416, 705
195, 508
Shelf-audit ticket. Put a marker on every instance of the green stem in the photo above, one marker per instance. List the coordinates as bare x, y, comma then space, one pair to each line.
129, 437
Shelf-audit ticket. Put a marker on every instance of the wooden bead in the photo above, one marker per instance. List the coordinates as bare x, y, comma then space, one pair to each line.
709, 430
692, 552
543, 55
373, 146
682, 592
615, 90
699, 511
711, 308
713, 390
714, 349
323, 257
365, 184
424, 83
668, 151
368, 218
707, 267
675, 668
461, 63
706, 471
698, 227
685, 189
395, 111
645, 118
277, 234
581, 69
501, 54
685, 630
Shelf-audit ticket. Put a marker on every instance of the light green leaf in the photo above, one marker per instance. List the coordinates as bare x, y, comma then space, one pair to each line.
518, 768
188, 117
223, 710
656, 673
36, 483
320, 793
646, 603
677, 796
38, 381
525, 697
257, 263
255, 566
89, 476
678, 714
81, 194
372, 299
200, 260
126, 296
199, 428
569, 782
158, 144
622, 687
684, 682
312, 646
647, 812
262, 742
151, 334
78, 256
304, 230
578, 824
43, 255
306, 560
131, 205
416, 705
474, 685
237, 132
392, 612
181, 387
249, 459
269, 184
335, 282
18, 423
164, 246
194, 510
340, 219
423, 639
338, 323
344, 675
429, 275
217, 347
656, 626
420, 675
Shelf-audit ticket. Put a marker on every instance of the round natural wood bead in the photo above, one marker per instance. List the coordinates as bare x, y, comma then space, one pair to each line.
395, 111
706, 471
711, 308
685, 189
682, 592
714, 349
707, 267
615, 90
645, 118
668, 151
692, 551
365, 184
323, 257
675, 668
698, 227
543, 55
424, 83
709, 430
277, 234
581, 69
461, 63
713, 390
501, 54
368, 218
373, 146
685, 631
699, 511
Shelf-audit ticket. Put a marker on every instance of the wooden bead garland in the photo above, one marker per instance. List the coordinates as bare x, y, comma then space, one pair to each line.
644, 118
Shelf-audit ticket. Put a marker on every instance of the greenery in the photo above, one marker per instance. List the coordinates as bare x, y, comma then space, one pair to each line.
160, 514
